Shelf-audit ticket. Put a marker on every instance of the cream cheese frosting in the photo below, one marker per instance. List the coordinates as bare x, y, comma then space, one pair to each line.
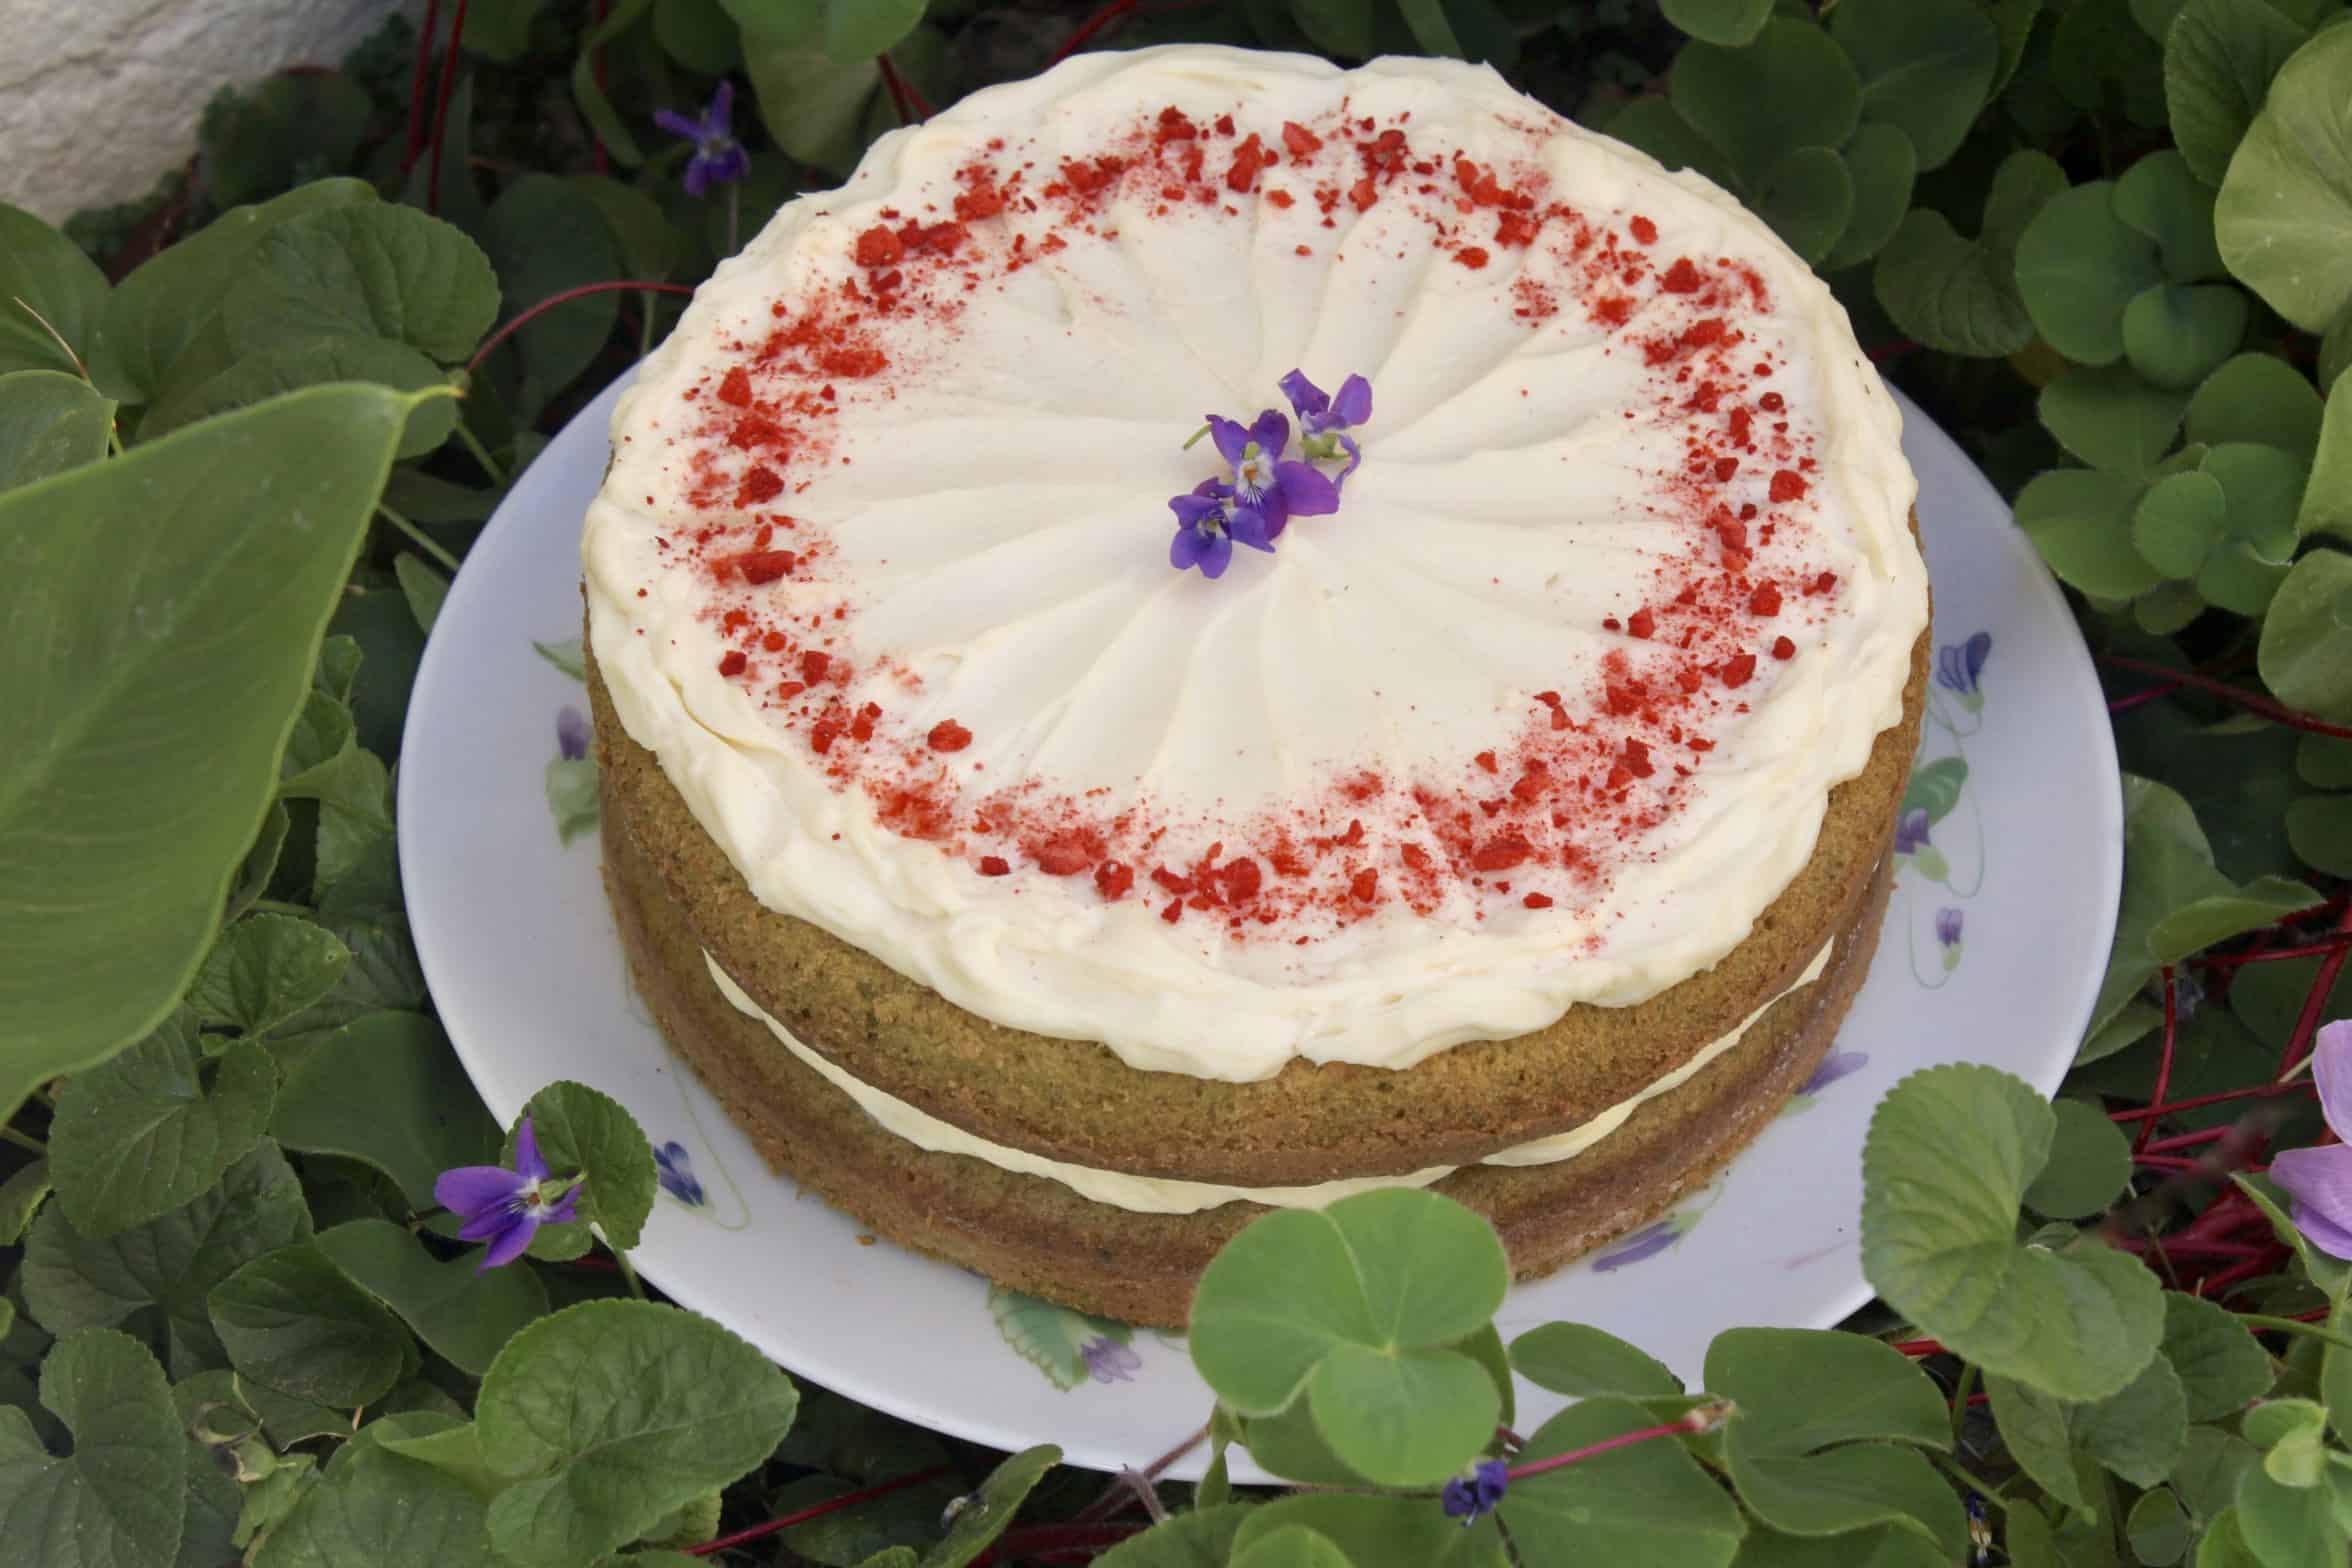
1164, 1195
1545, 715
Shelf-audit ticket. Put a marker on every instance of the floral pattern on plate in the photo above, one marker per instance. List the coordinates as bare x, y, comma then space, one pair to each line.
1935, 843
1069, 1347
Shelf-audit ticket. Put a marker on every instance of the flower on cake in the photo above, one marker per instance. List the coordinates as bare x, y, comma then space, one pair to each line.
1267, 489
1324, 419
2320, 1180
506, 1208
719, 158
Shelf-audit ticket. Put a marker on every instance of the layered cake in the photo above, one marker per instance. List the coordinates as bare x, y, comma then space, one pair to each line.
1212, 631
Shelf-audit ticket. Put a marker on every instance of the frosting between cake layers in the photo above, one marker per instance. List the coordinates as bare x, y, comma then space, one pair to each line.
1163, 1195
987, 529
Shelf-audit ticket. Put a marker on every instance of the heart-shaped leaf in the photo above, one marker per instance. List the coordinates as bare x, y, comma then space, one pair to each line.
2305, 654
1378, 1532
288, 364
290, 1320
44, 277
265, 969
2284, 215
2327, 499
462, 1313
2177, 335
379, 271
1925, 65
2088, 1164
2219, 57
1807, 198
2221, 1366
2081, 521
1730, 23
1881, 166
1646, 1502
1570, 1358
117, 1501
49, 422
1789, 88
387, 1089
1203, 1538
2162, 198
2078, 267
580, 1129
2180, 520
382, 1509
2256, 398
2112, 418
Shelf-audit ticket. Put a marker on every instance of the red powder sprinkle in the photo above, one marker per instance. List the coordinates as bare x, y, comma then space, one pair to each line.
878, 247
1782, 648
1250, 157
1516, 230
1283, 200
1637, 759
1174, 912
1068, 853
994, 865
734, 663
1501, 852
1364, 886
1113, 879
1770, 402
1787, 485
946, 735
1417, 857
1725, 467
1472, 256
1738, 669
813, 666
1302, 142
1641, 623
1363, 194
1537, 900
1764, 601
759, 486
735, 388
764, 566
1172, 126
1681, 278
1644, 231
1486, 760
1822, 584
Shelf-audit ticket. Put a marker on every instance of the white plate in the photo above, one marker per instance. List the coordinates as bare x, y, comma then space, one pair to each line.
2020, 866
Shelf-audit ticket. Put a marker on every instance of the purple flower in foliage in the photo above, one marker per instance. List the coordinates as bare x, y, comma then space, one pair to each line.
1108, 1361
718, 156
1468, 1498
571, 734
506, 1208
2320, 1179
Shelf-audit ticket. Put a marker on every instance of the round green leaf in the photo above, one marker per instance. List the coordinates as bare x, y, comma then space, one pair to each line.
1570, 1358
1199, 1538
2265, 485
1947, 292
2206, 1478
2288, 1526
2320, 829
613, 1413
385, 271
291, 1321
1790, 88
375, 1508
583, 1129
812, 106
2139, 1433
2256, 397
2284, 216
1730, 23
1402, 1418
2221, 1366
143, 1133
2176, 336
1950, 1153
544, 236
2112, 418
2219, 57
2080, 519
2088, 1165
2101, 59
49, 422
1881, 165
1926, 66
1295, 1546
2179, 522
288, 364
265, 969
56, 283
2162, 198
1807, 198
1781, 1381
2025, 183
1653, 124
2158, 1530
2321, 760
1380, 1532
2305, 655
698, 34
2327, 498
117, 1501
2038, 1432
139, 779
2078, 266
1644, 1503
2335, 349
462, 1313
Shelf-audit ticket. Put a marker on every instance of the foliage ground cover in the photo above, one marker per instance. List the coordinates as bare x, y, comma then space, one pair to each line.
249, 428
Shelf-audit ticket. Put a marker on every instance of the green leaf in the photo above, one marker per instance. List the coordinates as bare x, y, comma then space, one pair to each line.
2325, 761
1730, 23
117, 1501
2162, 198
287, 127
2180, 521
2176, 336
2081, 521
291, 364
2327, 499
139, 1135
2284, 215
610, 1414
382, 271
572, 796
170, 636
1801, 1389
2335, 1373
2206, 1476
2221, 1366
2111, 418
375, 1508
588, 94
291, 1321
1926, 67
546, 237
1881, 166
1949, 293
1807, 197
264, 970
463, 1315
2256, 398
1431, 30
649, 242
386, 1089
45, 277
1294, 1546
72, 1282
49, 422
2288, 1526
2197, 926
2224, 1545
698, 34
1851, 1488
1790, 88
1950, 1153
2025, 183
1882, 1546
1203, 1538
260, 864
1381, 1532
424, 588
2078, 266
986, 1513
157, 313
2305, 655
582, 1129
2158, 1530
1569, 1358
2219, 58
1050, 1337
2330, 1274
2140, 1433
2320, 829
812, 106
1402, 1417
1654, 125
852, 32
501, 30
1647, 1503
1290, 1445
2039, 1434
20, 1197
2089, 1164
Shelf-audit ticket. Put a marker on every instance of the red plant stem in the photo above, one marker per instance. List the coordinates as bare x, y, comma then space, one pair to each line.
508, 330
2257, 1091
1054, 1539
907, 99
2315, 1002
2254, 700
1920, 1347
2164, 1059
2274, 955
835, 1505
1094, 24
2182, 1140
2239, 1273
2138, 698
416, 85
2179, 1250
2202, 1165
441, 109
1697, 1421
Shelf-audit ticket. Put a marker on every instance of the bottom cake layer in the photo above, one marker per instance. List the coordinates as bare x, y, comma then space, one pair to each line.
1035, 1235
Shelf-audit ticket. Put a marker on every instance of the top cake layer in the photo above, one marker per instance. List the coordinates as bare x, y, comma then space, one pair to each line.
1546, 712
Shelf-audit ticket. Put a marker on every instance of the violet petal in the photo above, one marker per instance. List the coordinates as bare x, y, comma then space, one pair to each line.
1271, 432
528, 1165
1186, 549
721, 114
1305, 397
491, 1222
1231, 438
1249, 527
509, 1244
1215, 553
475, 1189
1354, 403
677, 124
2320, 1182
2331, 1069
1190, 509
1306, 491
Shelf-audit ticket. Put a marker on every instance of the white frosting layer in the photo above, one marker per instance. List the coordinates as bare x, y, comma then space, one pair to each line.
1162, 1195
998, 526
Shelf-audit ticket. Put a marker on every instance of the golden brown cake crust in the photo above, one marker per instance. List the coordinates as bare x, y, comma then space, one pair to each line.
1076, 1102
1035, 1235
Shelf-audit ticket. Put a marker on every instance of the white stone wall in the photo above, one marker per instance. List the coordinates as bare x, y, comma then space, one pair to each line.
99, 97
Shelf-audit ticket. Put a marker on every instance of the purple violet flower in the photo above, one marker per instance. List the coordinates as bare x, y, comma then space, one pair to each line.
1264, 486
1205, 529
1469, 1498
571, 734
1948, 922
1647, 1242
1959, 664
2320, 1179
718, 157
1322, 417
674, 1169
1836, 1065
1108, 1361
506, 1208
1911, 831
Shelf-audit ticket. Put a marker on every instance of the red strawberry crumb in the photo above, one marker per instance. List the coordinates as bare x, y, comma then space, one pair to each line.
1681, 278
1113, 878
948, 735
1537, 901
1738, 669
1764, 601
1644, 233
994, 866
1782, 648
734, 663
878, 247
1787, 485
1641, 623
